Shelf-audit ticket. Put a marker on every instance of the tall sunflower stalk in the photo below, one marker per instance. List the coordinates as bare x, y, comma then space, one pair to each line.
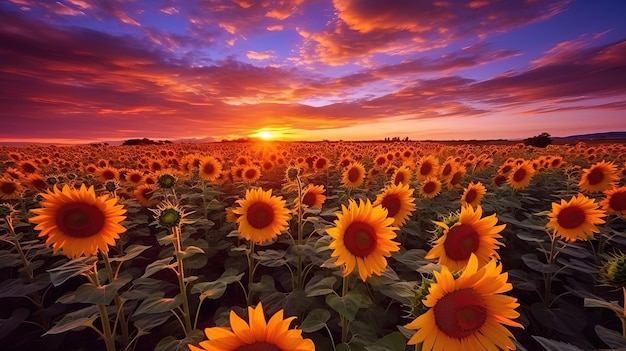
107, 333
6, 215
172, 217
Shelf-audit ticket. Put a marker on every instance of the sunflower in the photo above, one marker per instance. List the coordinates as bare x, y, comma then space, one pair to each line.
134, 177
10, 188
144, 194
273, 335
353, 175
599, 177
447, 168
210, 168
250, 173
428, 166
399, 202
615, 201
312, 196
107, 173
262, 216
467, 313
36, 182
576, 218
362, 237
321, 164
519, 177
429, 188
473, 194
402, 175
454, 181
79, 222
471, 234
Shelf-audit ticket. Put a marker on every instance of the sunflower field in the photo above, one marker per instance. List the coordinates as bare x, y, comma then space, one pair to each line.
295, 246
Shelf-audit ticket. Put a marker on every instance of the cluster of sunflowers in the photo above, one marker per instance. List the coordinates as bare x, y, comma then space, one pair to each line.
321, 211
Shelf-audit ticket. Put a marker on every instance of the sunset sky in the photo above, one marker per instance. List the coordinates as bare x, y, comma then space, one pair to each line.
76, 71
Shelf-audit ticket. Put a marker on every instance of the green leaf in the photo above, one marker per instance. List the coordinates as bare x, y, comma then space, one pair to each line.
315, 320
317, 286
533, 263
391, 342
189, 251
553, 345
611, 337
157, 266
9, 259
215, 289
19, 288
10, 324
209, 290
265, 285
70, 269
104, 294
157, 304
131, 252
271, 258
347, 306
75, 320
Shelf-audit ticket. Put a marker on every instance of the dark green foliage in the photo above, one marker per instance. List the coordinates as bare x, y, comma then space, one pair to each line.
541, 140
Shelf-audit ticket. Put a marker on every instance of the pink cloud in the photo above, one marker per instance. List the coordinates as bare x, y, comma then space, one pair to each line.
408, 26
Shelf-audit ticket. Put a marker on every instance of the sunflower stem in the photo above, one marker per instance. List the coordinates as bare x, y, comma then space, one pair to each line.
549, 276
109, 338
181, 279
118, 301
345, 323
36, 298
299, 279
250, 273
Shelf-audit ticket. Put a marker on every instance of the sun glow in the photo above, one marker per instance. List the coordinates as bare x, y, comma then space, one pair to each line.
265, 135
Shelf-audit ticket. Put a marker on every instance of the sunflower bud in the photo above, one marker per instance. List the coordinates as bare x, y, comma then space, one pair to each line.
166, 181
613, 272
292, 173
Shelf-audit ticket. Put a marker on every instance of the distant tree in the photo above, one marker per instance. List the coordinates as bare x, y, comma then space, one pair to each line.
541, 140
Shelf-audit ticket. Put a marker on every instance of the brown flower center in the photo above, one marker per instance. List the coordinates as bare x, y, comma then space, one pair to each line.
399, 178
470, 196
250, 174
430, 187
108, 175
258, 346
28, 168
135, 178
353, 175
571, 217
595, 176
393, 204
460, 313
360, 239
40, 184
617, 202
8, 188
260, 215
208, 168
462, 240
506, 169
426, 168
519, 175
446, 170
309, 199
456, 178
80, 220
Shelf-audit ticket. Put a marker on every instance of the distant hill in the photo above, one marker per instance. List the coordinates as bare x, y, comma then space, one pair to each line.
593, 136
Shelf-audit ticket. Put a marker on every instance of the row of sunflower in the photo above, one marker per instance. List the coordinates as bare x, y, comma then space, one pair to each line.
336, 239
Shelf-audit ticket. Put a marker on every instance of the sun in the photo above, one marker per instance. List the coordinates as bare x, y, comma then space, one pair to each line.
265, 135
